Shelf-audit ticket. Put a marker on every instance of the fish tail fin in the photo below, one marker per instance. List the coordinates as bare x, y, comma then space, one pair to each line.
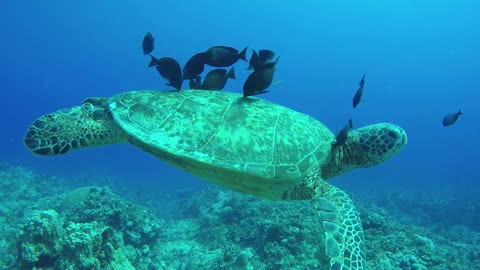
231, 73
459, 112
153, 61
243, 54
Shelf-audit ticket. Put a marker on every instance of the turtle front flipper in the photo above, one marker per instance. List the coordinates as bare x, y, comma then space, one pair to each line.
66, 130
344, 240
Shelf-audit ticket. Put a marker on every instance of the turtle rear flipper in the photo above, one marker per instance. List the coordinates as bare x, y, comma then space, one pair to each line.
69, 129
344, 240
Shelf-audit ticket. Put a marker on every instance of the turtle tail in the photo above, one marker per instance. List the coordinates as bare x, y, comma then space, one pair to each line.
344, 243
69, 129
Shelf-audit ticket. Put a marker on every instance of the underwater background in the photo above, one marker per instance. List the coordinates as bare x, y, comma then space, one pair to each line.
422, 62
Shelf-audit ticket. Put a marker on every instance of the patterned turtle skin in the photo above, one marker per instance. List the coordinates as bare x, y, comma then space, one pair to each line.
249, 145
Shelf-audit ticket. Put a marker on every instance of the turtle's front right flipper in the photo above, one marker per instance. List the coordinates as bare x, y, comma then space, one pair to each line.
344, 240
66, 130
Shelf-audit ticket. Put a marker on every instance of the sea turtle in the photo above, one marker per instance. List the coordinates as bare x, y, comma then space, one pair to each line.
248, 145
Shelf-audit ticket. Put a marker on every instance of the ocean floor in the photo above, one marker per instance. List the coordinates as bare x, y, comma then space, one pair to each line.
52, 223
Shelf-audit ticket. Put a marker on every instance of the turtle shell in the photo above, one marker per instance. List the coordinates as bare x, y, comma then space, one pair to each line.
246, 144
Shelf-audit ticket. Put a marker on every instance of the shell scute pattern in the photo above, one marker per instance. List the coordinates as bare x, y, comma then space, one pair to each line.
168, 120
245, 134
225, 130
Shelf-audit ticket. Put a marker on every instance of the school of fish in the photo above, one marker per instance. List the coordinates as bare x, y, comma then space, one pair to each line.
262, 65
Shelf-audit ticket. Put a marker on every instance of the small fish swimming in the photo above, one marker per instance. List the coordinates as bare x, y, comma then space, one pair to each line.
195, 65
170, 70
343, 134
147, 44
451, 118
223, 56
358, 95
259, 80
260, 58
217, 78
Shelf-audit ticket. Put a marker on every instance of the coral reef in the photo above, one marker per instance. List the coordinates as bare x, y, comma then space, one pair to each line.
60, 226
392, 245
38, 247
99, 231
22, 194
440, 209
84, 228
234, 231
260, 234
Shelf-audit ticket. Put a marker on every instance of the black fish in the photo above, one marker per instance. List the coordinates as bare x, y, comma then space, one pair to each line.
217, 78
223, 56
451, 118
170, 70
343, 134
260, 58
195, 83
259, 80
358, 95
265, 56
195, 65
147, 44
253, 60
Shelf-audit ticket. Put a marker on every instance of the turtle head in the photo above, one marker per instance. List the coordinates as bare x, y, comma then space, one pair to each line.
63, 131
365, 147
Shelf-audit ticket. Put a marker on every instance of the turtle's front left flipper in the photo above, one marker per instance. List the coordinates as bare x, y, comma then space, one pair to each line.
344, 240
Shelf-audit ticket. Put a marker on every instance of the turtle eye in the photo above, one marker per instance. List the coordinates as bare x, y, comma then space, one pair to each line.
88, 108
95, 112
99, 113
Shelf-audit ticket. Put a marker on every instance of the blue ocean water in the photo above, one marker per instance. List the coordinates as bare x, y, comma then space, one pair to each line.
421, 59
